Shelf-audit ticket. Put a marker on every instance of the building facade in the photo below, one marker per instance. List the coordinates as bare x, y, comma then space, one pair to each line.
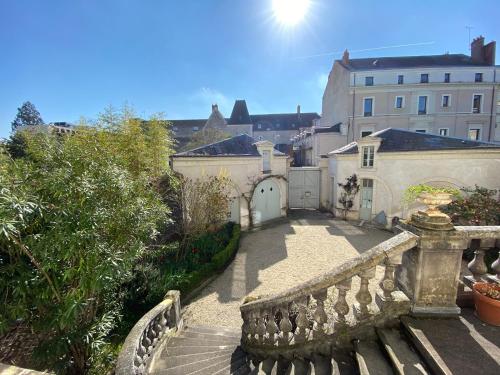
389, 161
278, 128
450, 95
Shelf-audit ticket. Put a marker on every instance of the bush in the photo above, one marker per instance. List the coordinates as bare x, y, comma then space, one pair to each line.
76, 212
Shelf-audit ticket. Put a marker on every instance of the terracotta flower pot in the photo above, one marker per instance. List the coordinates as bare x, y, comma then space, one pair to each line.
487, 309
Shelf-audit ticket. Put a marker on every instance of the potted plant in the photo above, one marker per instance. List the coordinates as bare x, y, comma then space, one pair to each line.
487, 302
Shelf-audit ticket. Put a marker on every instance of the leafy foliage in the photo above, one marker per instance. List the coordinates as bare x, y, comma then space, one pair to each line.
76, 213
349, 190
412, 192
478, 206
27, 115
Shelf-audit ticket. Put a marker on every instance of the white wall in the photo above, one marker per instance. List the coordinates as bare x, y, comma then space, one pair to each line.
394, 172
241, 170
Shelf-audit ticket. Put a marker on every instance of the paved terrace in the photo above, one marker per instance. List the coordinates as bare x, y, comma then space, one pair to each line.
278, 257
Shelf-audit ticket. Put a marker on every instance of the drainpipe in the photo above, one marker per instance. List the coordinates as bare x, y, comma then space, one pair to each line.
492, 103
353, 105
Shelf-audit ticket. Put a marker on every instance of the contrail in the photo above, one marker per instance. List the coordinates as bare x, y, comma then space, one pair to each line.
366, 49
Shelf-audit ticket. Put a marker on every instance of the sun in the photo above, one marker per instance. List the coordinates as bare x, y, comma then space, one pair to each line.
290, 12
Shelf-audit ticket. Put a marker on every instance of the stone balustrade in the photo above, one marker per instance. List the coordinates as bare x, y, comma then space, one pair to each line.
148, 334
298, 317
481, 239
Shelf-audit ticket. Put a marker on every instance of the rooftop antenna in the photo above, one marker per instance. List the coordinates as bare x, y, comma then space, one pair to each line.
469, 28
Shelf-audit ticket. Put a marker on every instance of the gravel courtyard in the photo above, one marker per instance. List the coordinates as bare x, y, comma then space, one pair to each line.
276, 258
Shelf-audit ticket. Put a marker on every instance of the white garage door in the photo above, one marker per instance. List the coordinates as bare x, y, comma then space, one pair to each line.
303, 187
266, 202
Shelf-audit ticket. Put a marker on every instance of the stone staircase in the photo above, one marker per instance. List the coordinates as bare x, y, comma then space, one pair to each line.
416, 347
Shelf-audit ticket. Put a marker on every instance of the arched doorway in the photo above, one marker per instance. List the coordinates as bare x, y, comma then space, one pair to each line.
266, 201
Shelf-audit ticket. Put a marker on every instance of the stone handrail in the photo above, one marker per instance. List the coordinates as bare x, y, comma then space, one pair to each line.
286, 319
149, 332
485, 237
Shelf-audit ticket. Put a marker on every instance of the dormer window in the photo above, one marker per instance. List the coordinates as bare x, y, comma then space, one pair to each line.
259, 126
195, 128
368, 156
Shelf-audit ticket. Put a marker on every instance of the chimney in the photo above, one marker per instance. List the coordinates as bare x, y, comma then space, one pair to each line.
345, 57
215, 107
476, 49
298, 109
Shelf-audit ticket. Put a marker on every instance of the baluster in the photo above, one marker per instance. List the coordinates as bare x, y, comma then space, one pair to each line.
477, 266
302, 322
319, 315
341, 307
496, 267
388, 284
245, 327
253, 326
163, 321
261, 325
271, 328
285, 324
364, 298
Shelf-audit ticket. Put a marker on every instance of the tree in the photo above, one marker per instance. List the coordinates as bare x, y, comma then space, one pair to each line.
76, 213
27, 115
206, 137
349, 190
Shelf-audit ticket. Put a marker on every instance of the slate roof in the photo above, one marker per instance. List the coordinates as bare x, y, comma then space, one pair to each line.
331, 129
406, 62
240, 114
240, 145
398, 140
283, 121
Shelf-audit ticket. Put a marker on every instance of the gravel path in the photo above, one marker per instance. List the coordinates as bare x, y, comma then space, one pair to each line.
278, 257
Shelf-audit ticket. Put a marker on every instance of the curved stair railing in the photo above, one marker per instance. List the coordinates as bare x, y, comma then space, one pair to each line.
298, 322
143, 341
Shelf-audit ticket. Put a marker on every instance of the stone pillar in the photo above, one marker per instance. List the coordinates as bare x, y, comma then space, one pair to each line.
325, 188
430, 273
175, 312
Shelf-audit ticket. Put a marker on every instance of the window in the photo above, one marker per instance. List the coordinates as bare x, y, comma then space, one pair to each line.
368, 155
368, 107
175, 128
266, 161
447, 77
365, 133
401, 79
424, 78
478, 77
476, 103
445, 101
195, 128
475, 134
400, 102
423, 131
368, 81
259, 126
443, 132
422, 105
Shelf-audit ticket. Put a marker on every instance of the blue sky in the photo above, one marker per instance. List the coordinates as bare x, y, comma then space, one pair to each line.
73, 58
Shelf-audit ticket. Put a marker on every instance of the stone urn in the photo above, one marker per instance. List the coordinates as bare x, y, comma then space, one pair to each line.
432, 218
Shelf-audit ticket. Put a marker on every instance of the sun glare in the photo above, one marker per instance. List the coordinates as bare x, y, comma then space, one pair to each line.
290, 12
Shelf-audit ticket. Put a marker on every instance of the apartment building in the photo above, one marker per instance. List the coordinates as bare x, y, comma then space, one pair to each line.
451, 95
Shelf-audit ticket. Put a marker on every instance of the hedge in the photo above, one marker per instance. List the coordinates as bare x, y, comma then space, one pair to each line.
218, 263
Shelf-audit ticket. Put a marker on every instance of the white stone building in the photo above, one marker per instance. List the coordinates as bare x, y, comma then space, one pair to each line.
451, 95
251, 166
389, 161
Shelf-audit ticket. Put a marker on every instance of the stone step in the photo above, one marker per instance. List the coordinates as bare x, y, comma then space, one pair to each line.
170, 361
209, 336
204, 329
371, 360
187, 341
404, 360
206, 366
183, 350
456, 346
